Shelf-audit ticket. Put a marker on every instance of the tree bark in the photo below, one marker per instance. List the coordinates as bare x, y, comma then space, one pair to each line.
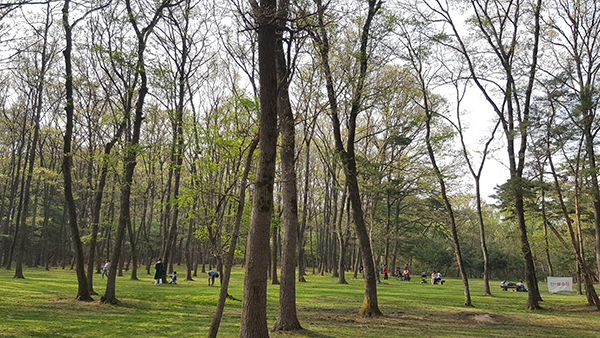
287, 318
83, 292
254, 303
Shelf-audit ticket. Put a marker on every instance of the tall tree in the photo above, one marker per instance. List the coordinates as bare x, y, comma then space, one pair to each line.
370, 306
223, 294
46, 56
577, 24
501, 28
184, 38
131, 149
419, 57
83, 291
590, 292
287, 319
254, 303
476, 173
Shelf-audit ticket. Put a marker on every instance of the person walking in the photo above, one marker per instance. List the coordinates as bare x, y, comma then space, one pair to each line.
105, 268
159, 268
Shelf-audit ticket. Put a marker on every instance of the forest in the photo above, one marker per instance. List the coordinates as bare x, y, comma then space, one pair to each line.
325, 137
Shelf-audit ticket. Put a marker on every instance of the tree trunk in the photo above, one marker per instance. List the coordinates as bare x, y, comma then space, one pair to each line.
130, 152
590, 292
226, 276
302, 230
274, 252
486, 274
39, 92
254, 303
370, 306
83, 291
461, 266
342, 241
134, 258
287, 319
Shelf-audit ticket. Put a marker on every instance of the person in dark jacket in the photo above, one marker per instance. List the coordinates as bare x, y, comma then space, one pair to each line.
159, 268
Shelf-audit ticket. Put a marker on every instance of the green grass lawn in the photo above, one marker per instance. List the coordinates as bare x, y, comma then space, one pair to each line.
42, 305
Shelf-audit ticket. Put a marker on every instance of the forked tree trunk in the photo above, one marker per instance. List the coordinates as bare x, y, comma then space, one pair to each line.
130, 153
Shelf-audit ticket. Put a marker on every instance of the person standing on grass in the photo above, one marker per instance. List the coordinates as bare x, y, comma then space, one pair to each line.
105, 268
211, 277
159, 268
385, 275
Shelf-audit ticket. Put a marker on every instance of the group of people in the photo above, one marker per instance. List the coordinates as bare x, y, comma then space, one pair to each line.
404, 274
159, 271
436, 277
519, 287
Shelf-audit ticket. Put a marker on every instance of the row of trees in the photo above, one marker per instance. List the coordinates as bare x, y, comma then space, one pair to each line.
140, 141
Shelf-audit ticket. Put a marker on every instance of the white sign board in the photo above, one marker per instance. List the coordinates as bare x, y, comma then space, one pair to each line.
556, 284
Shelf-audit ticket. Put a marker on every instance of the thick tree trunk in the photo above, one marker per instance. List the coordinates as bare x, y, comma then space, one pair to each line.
545, 225
287, 319
594, 188
189, 251
254, 303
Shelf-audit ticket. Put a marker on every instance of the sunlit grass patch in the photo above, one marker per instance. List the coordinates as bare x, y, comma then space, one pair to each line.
43, 305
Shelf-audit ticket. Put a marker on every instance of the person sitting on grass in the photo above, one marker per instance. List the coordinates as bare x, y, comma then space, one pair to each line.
173, 278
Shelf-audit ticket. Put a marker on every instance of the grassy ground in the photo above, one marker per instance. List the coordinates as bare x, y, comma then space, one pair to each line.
42, 305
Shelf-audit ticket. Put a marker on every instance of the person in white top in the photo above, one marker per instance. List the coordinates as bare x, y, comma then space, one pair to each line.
105, 268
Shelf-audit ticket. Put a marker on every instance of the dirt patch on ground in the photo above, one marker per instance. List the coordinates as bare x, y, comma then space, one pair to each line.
479, 317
